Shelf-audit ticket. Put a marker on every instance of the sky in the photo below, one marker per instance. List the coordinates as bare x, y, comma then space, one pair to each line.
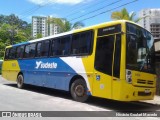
90, 12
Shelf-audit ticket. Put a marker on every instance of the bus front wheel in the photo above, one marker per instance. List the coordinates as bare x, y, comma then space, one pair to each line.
79, 90
20, 81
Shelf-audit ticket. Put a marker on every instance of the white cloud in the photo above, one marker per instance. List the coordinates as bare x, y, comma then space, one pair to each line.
70, 2
54, 15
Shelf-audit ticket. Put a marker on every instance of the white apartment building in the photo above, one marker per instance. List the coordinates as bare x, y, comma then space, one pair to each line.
53, 29
151, 21
40, 25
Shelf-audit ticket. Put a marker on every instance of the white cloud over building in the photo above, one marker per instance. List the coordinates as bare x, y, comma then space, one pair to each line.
70, 2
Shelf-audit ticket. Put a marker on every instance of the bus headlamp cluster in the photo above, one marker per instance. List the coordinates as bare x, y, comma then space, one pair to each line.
129, 76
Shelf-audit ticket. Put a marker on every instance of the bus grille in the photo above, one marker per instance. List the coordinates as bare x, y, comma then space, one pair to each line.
144, 94
147, 82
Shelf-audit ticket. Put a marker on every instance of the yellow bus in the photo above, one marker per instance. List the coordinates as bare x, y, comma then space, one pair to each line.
112, 60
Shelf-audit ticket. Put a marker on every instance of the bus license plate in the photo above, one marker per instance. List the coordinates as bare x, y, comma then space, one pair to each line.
147, 91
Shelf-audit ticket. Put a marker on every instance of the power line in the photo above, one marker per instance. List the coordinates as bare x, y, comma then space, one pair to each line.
34, 9
29, 10
97, 9
38, 7
72, 13
108, 10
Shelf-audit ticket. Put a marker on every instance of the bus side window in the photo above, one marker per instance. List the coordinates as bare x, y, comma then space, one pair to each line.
60, 46
56, 43
65, 46
7, 53
38, 50
75, 44
45, 48
30, 51
12, 53
19, 52
26, 53
81, 43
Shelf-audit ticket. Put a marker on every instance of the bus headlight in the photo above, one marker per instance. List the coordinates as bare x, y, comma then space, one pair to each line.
129, 76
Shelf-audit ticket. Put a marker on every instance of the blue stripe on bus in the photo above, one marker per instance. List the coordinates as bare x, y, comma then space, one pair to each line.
20, 44
49, 72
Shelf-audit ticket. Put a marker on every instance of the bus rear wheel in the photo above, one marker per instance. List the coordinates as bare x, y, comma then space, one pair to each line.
79, 90
20, 81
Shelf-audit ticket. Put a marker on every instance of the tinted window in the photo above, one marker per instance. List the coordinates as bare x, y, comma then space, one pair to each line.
81, 43
61, 46
7, 53
45, 48
19, 52
65, 45
117, 57
140, 50
38, 50
26, 54
12, 53
104, 54
30, 51
56, 47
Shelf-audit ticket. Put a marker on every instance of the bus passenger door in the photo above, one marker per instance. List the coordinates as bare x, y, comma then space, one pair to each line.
103, 66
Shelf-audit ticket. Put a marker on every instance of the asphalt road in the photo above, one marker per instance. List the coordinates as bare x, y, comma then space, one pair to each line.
34, 98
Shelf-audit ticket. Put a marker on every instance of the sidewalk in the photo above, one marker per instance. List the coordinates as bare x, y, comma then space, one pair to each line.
156, 100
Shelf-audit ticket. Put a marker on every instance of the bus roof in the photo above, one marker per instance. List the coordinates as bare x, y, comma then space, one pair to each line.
74, 31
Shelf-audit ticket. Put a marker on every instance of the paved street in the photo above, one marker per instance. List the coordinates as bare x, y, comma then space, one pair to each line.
42, 99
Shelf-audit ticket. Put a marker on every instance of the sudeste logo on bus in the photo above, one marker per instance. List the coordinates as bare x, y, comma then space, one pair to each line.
40, 64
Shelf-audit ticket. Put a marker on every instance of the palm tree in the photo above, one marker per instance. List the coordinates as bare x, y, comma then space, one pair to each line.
65, 25
77, 25
124, 15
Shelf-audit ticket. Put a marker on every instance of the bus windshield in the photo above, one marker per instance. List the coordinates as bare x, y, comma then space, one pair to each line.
140, 50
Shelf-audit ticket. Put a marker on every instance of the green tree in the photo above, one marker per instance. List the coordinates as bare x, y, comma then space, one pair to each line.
2, 19
2, 49
13, 30
8, 32
39, 35
4, 34
16, 24
124, 15
65, 25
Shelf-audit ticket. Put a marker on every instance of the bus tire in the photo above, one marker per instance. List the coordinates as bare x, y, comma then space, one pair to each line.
79, 90
20, 81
